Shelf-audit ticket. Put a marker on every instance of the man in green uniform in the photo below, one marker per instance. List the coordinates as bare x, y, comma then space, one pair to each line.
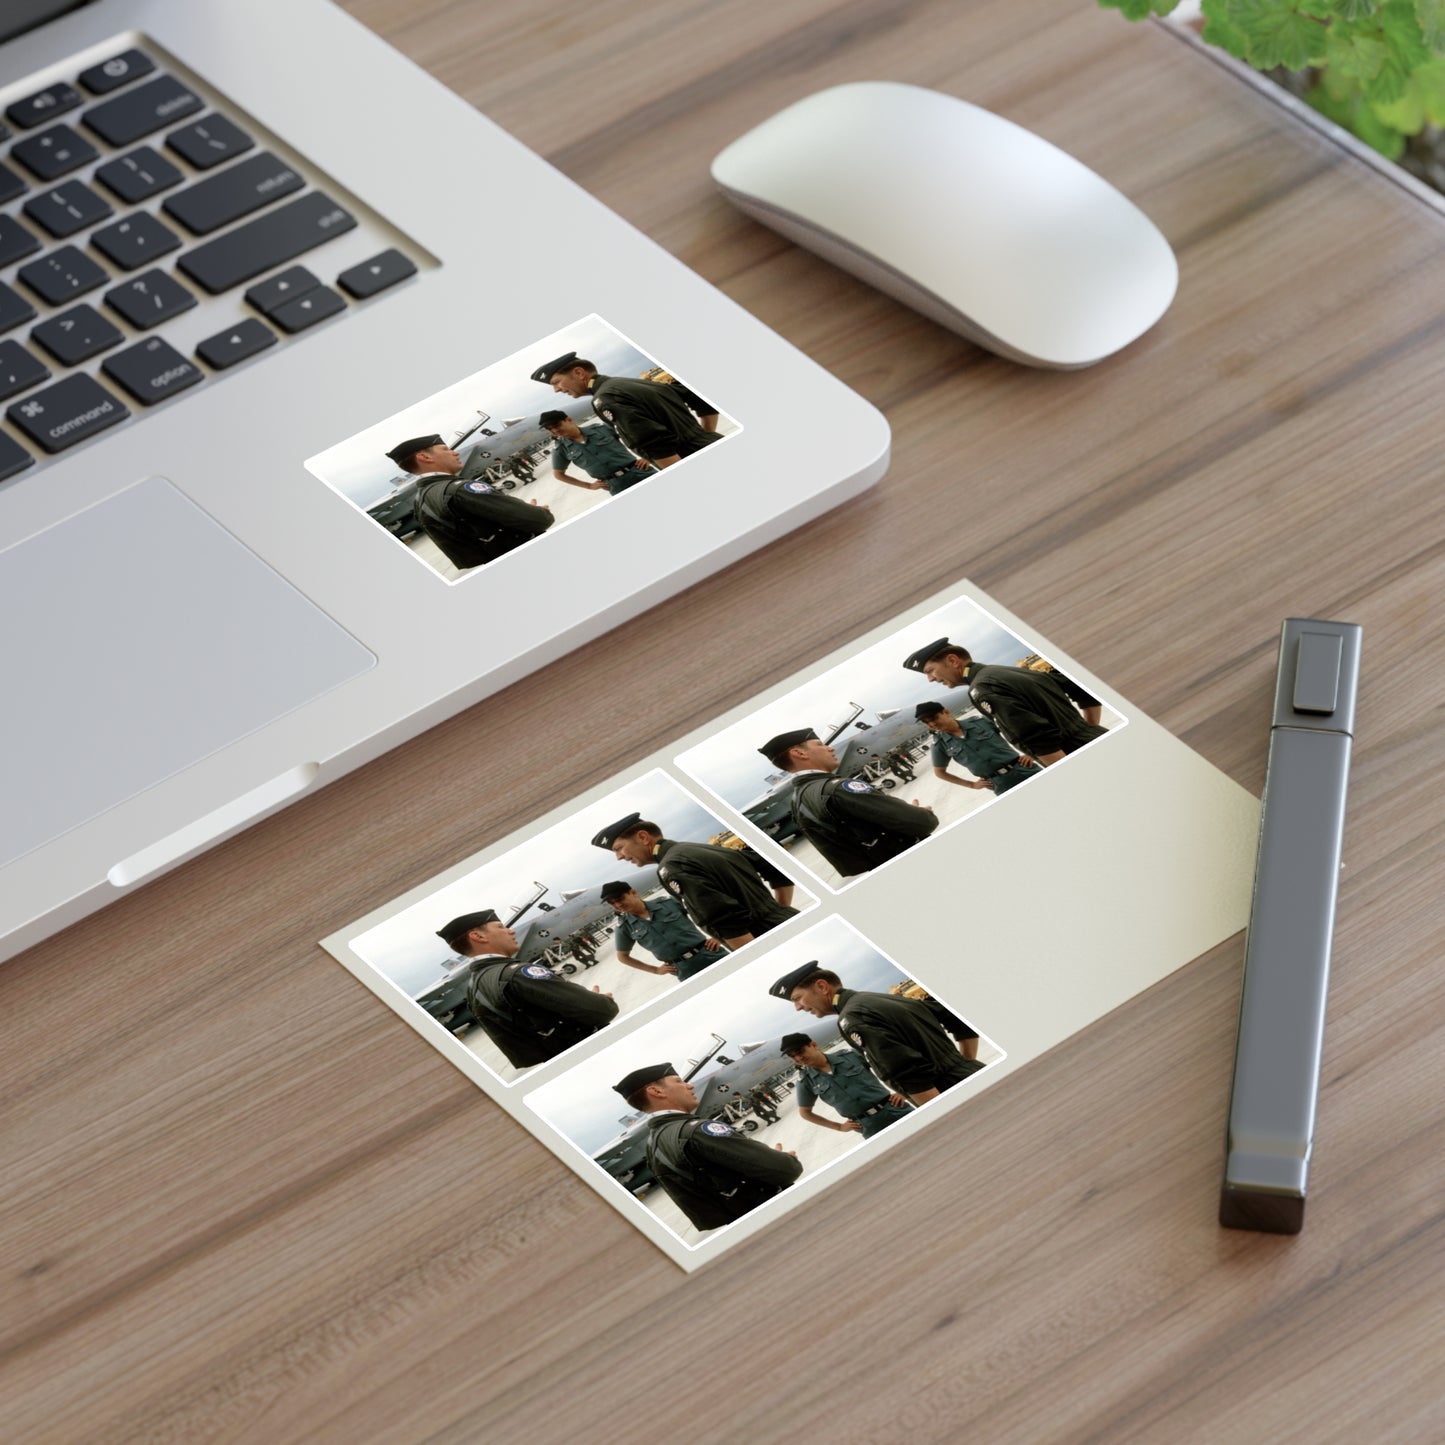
722, 888
663, 929
530, 1013
596, 451
649, 416
901, 1039
853, 826
1035, 711
714, 1175
974, 742
843, 1082
471, 521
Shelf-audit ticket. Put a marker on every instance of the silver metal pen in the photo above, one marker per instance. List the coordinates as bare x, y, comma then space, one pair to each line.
1291, 925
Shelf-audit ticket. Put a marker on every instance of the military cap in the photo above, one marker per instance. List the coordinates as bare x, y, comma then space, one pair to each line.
792, 1043
916, 662
613, 891
789, 981
610, 834
544, 372
649, 1074
777, 747
551, 418
455, 933
403, 452
928, 709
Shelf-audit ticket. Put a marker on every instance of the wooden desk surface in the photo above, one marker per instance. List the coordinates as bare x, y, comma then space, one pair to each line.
243, 1201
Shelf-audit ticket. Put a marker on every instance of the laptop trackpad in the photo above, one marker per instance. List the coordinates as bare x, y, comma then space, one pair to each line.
140, 637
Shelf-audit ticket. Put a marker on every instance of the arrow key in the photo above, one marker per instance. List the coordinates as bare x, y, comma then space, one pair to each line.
284, 286
235, 343
307, 310
376, 274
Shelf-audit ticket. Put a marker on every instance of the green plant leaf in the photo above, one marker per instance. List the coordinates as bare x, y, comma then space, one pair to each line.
1358, 57
1219, 29
1359, 119
1276, 33
1139, 9
1403, 34
1357, 9
1406, 115
1431, 17
1428, 81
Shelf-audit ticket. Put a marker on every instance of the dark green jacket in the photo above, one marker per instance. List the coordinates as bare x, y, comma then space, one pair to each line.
902, 1041
854, 826
649, 416
721, 887
712, 1174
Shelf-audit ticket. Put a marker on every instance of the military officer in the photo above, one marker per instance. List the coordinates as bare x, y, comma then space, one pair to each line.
761, 1103
530, 1013
649, 416
900, 1039
974, 742
663, 929
842, 1080
722, 888
1035, 711
854, 827
597, 451
471, 521
714, 1175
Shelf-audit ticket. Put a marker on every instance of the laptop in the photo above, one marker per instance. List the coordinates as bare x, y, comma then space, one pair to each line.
274, 306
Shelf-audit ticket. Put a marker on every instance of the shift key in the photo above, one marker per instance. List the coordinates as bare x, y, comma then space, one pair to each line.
266, 242
230, 194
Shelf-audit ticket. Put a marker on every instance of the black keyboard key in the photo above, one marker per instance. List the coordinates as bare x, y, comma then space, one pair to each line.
150, 299
152, 371
14, 308
62, 275
235, 344
68, 208
74, 408
135, 241
11, 184
138, 176
307, 310
77, 335
266, 242
376, 274
245, 187
44, 105
285, 286
119, 70
19, 369
13, 458
206, 143
53, 153
140, 111
15, 241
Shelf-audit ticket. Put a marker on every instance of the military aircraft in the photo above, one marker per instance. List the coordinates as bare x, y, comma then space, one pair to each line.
722, 1095
545, 939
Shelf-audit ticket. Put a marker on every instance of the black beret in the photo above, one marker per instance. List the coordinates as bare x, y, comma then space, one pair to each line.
403, 452
916, 661
551, 418
608, 836
774, 748
649, 1074
792, 1043
928, 709
455, 932
544, 372
615, 890
789, 981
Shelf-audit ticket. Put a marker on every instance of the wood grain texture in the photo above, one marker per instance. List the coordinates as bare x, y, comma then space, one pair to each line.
243, 1201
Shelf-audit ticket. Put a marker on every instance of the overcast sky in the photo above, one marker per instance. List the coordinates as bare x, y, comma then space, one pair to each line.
582, 1103
405, 947
359, 468
729, 762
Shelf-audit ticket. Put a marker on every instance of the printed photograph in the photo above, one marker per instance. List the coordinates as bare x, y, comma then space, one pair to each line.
914, 734
578, 420
632, 898
776, 1073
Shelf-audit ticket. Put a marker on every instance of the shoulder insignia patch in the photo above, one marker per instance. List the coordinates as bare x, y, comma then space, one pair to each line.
717, 1129
606, 414
855, 1037
480, 487
537, 970
856, 785
983, 707
673, 887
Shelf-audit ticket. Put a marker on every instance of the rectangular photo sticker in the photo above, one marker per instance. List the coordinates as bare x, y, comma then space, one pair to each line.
739, 1103
580, 419
636, 897
901, 742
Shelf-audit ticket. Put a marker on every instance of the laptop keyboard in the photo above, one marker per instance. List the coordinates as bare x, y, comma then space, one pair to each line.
130, 200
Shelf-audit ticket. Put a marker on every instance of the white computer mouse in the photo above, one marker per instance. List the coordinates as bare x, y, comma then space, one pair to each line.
979, 224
